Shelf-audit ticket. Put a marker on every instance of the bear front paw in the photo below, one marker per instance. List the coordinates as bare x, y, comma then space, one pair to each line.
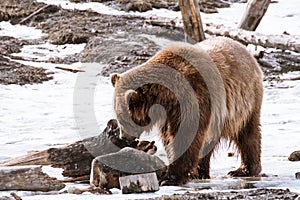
173, 180
240, 172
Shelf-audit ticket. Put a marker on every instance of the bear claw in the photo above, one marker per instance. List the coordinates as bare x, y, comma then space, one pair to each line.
241, 172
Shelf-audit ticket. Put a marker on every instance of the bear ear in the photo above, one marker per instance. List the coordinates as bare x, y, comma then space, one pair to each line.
114, 78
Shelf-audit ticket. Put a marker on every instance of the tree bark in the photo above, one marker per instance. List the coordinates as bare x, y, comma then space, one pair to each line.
255, 11
29, 178
190, 12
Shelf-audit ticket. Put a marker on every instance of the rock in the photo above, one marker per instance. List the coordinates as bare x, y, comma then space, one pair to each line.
138, 5
159, 4
210, 6
139, 183
68, 37
297, 175
107, 169
295, 156
123, 56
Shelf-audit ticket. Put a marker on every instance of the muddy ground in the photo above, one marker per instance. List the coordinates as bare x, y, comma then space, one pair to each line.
258, 194
118, 42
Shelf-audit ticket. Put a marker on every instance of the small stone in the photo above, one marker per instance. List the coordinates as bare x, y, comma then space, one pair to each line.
230, 154
295, 156
297, 175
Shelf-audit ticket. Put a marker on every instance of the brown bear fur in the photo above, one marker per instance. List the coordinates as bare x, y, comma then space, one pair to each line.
235, 108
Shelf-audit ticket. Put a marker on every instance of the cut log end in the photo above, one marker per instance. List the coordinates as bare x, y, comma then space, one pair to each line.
139, 183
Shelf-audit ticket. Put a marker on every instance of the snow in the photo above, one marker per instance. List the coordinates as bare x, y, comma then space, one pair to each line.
36, 117
19, 31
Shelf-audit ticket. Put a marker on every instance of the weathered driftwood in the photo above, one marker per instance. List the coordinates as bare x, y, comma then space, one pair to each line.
283, 42
107, 169
69, 69
28, 178
255, 11
91, 189
192, 21
75, 159
139, 183
295, 156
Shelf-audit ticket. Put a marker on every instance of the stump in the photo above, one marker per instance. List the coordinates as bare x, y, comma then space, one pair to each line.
28, 178
107, 169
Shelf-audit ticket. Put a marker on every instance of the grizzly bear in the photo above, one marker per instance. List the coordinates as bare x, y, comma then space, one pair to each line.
195, 95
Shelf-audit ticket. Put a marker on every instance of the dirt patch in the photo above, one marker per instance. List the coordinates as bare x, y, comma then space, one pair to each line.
15, 73
117, 42
252, 194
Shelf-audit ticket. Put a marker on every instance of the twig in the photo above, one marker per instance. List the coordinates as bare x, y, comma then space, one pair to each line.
295, 78
34, 13
16, 197
70, 70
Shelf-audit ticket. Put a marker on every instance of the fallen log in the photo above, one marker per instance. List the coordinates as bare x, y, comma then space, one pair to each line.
75, 159
28, 178
283, 42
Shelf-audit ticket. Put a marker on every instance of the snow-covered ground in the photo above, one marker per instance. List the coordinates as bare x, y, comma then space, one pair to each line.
36, 117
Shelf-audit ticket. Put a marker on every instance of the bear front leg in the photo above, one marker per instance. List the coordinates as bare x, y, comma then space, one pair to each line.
249, 145
180, 171
204, 167
183, 168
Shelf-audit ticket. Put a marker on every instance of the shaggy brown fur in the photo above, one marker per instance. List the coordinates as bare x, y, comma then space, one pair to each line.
232, 112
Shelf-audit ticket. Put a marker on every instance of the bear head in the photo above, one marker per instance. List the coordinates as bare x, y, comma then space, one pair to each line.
132, 108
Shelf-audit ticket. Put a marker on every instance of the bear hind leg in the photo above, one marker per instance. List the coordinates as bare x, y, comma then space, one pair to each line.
248, 144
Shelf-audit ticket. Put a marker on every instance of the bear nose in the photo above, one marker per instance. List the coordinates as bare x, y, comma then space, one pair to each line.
126, 136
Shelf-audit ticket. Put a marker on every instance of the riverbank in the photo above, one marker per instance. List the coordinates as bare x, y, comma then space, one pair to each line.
119, 42
40, 116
